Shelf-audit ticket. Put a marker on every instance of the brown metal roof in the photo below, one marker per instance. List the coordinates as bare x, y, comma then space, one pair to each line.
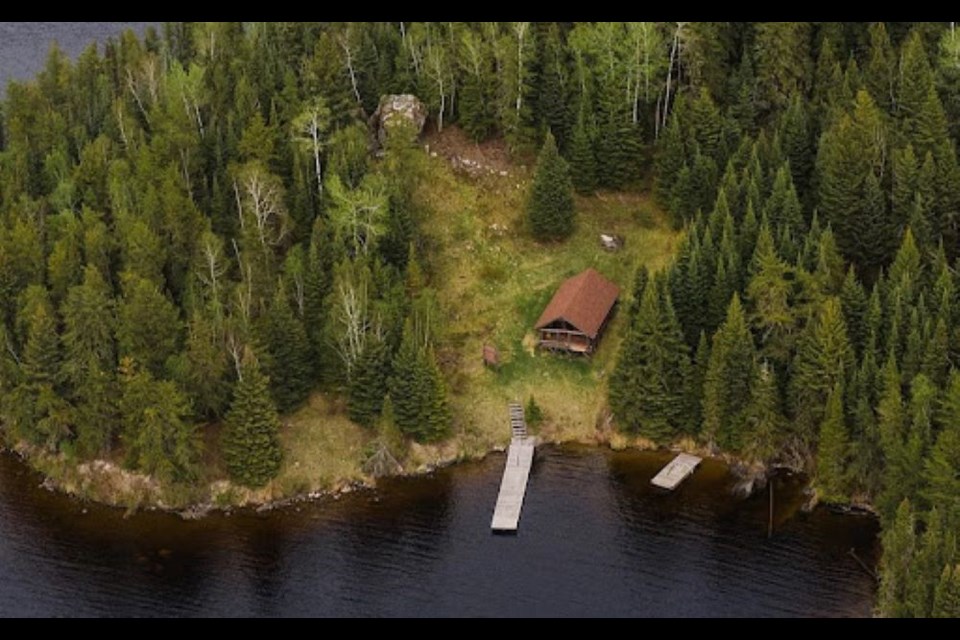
583, 300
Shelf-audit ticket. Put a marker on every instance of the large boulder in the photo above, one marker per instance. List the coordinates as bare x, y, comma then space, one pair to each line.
398, 108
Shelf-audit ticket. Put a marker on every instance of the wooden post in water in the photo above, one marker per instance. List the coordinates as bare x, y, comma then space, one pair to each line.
770, 521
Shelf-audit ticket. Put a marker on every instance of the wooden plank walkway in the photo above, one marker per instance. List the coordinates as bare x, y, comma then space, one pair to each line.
513, 485
676, 471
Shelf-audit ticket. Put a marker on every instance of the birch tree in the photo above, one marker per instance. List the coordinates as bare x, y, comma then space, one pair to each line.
308, 130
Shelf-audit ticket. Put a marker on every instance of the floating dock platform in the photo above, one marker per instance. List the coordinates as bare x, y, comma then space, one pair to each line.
678, 470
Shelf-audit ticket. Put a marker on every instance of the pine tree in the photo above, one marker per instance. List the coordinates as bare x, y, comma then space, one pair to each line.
41, 358
832, 450
783, 207
904, 454
682, 413
941, 470
916, 80
763, 417
640, 280
926, 568
706, 126
879, 73
417, 390
829, 273
251, 447
554, 86
476, 96
824, 359
768, 296
368, 383
899, 543
203, 371
946, 601
797, 145
782, 54
853, 303
670, 160
149, 326
618, 142
35, 409
849, 192
289, 365
90, 360
583, 163
550, 209
322, 254
729, 374
159, 439
826, 80
906, 171
640, 393
906, 271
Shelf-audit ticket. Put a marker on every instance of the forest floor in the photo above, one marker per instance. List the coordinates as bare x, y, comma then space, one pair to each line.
493, 280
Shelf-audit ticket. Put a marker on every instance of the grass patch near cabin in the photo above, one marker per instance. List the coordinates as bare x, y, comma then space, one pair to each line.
493, 281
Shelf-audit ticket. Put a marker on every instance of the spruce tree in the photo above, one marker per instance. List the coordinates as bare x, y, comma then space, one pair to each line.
618, 141
550, 209
926, 567
946, 600
763, 417
251, 446
639, 397
149, 326
797, 145
368, 383
670, 160
289, 365
832, 450
899, 543
916, 80
906, 171
849, 194
941, 472
729, 374
89, 361
553, 96
879, 72
159, 438
903, 455
417, 389
853, 303
583, 163
824, 359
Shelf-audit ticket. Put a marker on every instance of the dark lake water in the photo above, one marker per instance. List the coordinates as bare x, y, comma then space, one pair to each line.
595, 539
24, 45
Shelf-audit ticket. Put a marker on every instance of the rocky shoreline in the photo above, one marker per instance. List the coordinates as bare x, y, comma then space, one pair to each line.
135, 492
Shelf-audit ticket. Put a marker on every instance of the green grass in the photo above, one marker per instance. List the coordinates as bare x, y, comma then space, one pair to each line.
494, 283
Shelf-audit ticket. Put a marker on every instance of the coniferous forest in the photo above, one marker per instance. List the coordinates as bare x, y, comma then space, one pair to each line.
199, 227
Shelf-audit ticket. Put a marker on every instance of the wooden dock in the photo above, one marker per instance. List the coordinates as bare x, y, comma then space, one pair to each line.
676, 471
513, 485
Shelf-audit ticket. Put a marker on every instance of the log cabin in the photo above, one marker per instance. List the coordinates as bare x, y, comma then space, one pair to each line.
578, 313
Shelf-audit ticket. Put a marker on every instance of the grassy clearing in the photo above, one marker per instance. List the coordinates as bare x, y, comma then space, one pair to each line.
494, 281
322, 447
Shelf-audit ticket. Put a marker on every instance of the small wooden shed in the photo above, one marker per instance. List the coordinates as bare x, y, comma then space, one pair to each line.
578, 313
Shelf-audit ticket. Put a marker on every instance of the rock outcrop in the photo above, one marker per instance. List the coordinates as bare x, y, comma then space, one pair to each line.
398, 108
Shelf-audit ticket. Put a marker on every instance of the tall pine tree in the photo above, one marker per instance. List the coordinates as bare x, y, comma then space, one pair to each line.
550, 209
